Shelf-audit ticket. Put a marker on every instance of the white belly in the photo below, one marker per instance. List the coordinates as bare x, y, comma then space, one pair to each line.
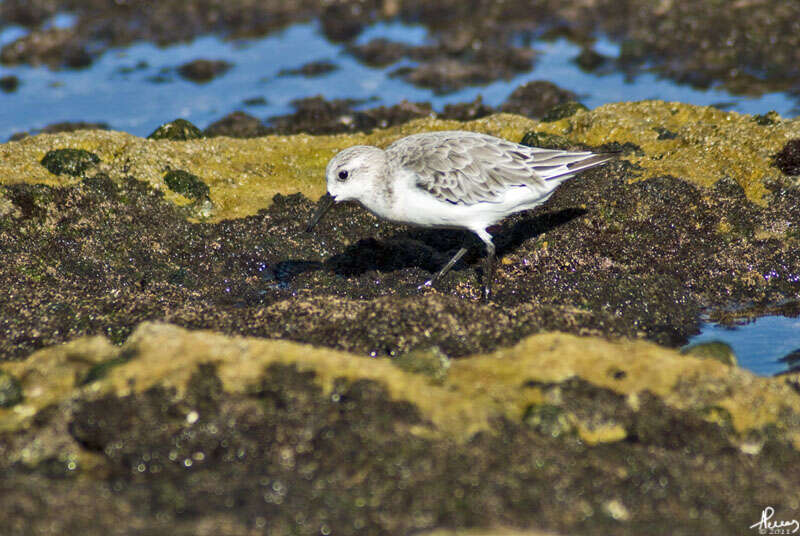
417, 207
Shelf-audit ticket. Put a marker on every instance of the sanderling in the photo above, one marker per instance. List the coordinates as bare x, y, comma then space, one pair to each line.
452, 179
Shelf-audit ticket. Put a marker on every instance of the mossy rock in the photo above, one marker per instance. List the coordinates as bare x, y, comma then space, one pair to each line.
10, 390
560, 111
769, 118
433, 363
546, 141
187, 184
177, 130
69, 161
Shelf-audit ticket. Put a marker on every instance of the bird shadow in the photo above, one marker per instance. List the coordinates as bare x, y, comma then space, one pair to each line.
430, 249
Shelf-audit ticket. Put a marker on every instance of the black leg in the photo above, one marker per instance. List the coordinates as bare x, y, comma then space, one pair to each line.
488, 271
445, 269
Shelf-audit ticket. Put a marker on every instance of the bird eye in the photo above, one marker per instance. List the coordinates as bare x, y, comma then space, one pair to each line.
343, 175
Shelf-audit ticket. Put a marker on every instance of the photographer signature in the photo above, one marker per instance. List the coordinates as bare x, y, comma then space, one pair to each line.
765, 526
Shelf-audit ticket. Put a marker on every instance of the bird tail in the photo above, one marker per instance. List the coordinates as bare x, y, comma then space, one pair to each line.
592, 160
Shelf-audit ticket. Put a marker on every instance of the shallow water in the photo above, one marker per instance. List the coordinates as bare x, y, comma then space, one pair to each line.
137, 88
759, 344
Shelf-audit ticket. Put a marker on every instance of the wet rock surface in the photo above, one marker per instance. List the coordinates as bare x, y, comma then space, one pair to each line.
203, 70
749, 47
237, 125
317, 115
602, 256
155, 427
291, 440
310, 70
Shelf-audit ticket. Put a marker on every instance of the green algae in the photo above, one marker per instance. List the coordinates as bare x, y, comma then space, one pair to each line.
10, 390
177, 130
561, 111
546, 141
186, 184
69, 161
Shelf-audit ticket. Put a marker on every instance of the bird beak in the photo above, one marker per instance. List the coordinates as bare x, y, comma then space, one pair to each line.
323, 205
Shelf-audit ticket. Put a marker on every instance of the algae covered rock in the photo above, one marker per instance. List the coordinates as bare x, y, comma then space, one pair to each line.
177, 130
186, 184
202, 70
10, 390
560, 111
546, 140
69, 161
193, 418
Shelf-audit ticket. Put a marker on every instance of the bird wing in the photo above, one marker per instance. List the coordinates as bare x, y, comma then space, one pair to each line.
465, 168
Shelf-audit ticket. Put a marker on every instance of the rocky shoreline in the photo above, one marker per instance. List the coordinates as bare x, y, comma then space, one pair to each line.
179, 356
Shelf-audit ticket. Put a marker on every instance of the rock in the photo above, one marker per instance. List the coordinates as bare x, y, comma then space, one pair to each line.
69, 161
447, 73
549, 141
389, 116
66, 126
343, 22
536, 98
610, 254
310, 70
788, 159
54, 47
590, 60
466, 111
177, 130
769, 118
380, 52
186, 184
560, 111
424, 393
316, 115
9, 83
72, 126
255, 101
237, 125
203, 70
185, 412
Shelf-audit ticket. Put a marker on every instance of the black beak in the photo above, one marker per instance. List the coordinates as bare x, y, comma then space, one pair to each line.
323, 205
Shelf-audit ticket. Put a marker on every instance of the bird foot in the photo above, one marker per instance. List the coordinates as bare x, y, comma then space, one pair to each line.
426, 284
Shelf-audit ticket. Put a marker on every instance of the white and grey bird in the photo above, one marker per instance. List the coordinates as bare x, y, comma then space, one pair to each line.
452, 180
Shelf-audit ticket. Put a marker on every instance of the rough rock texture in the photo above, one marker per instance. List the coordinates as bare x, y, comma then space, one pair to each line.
193, 432
611, 253
446, 414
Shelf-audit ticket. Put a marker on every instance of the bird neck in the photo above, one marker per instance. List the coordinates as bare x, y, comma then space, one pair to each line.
380, 199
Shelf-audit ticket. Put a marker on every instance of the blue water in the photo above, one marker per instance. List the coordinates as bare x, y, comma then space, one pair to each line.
136, 88
759, 344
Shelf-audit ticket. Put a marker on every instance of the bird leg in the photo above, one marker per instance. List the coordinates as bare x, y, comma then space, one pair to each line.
488, 267
488, 272
445, 269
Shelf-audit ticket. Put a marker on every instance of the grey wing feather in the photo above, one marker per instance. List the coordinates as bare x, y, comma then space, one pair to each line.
468, 168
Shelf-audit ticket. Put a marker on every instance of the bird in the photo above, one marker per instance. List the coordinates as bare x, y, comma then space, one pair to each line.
450, 180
